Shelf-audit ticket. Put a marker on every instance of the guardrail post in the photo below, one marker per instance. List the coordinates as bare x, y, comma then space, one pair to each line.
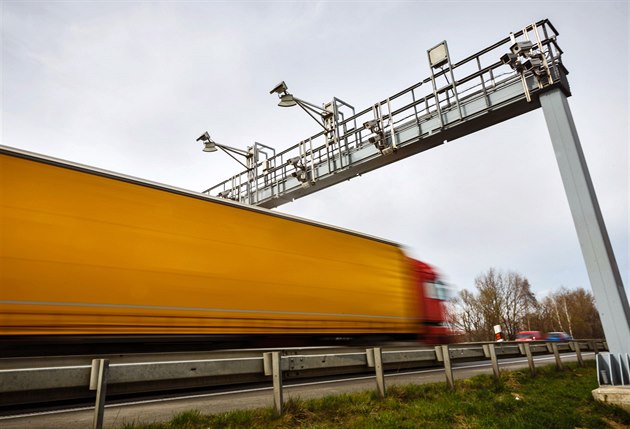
380, 373
438, 354
527, 351
578, 352
554, 347
276, 361
495, 363
375, 360
448, 368
98, 382
272, 362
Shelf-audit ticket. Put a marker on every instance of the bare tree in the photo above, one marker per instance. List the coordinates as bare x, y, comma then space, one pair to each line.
502, 299
554, 302
466, 317
490, 300
568, 316
519, 300
506, 299
573, 311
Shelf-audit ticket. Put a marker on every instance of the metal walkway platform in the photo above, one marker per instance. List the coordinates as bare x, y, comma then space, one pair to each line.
500, 82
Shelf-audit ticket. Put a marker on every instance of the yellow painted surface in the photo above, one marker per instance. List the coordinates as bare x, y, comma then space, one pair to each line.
82, 253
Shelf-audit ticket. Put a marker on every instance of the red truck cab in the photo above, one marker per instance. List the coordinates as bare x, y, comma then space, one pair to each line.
433, 292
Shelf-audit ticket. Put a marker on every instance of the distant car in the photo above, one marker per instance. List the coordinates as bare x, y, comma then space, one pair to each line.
558, 336
529, 336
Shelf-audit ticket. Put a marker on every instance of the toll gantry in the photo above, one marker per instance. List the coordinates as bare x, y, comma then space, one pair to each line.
518, 74
500, 82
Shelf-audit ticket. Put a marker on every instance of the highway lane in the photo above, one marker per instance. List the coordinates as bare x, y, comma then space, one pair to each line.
162, 409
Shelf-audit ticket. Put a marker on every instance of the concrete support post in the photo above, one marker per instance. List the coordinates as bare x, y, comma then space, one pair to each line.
98, 382
603, 272
448, 368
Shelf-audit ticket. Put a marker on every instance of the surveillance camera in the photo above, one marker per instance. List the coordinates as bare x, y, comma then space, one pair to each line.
376, 140
509, 58
388, 150
532, 63
370, 124
300, 175
279, 88
293, 161
521, 48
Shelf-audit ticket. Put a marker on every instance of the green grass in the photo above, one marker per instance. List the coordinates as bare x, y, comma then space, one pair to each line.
553, 399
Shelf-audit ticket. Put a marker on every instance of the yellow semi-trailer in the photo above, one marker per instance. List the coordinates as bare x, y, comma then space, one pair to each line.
89, 252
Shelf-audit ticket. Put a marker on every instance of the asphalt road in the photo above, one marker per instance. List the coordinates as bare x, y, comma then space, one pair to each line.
157, 410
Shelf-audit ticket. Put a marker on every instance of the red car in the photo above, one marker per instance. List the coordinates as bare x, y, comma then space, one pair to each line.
530, 336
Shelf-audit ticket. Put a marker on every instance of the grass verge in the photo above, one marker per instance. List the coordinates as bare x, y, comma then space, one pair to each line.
553, 399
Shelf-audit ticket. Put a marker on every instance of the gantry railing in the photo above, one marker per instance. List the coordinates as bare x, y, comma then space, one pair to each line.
497, 83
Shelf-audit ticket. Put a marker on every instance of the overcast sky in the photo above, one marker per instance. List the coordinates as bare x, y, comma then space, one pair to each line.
129, 86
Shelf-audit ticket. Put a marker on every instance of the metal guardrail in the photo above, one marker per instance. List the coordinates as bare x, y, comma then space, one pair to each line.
101, 375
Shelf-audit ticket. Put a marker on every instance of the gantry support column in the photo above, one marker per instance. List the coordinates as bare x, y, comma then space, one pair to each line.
603, 272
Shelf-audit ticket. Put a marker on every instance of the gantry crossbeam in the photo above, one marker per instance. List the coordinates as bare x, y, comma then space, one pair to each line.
456, 100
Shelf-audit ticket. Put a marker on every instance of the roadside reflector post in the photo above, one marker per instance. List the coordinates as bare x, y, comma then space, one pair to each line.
375, 360
98, 382
526, 350
498, 333
448, 368
556, 353
272, 362
578, 352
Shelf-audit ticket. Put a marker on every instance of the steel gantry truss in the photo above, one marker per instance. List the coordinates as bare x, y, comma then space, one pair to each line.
520, 73
456, 100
